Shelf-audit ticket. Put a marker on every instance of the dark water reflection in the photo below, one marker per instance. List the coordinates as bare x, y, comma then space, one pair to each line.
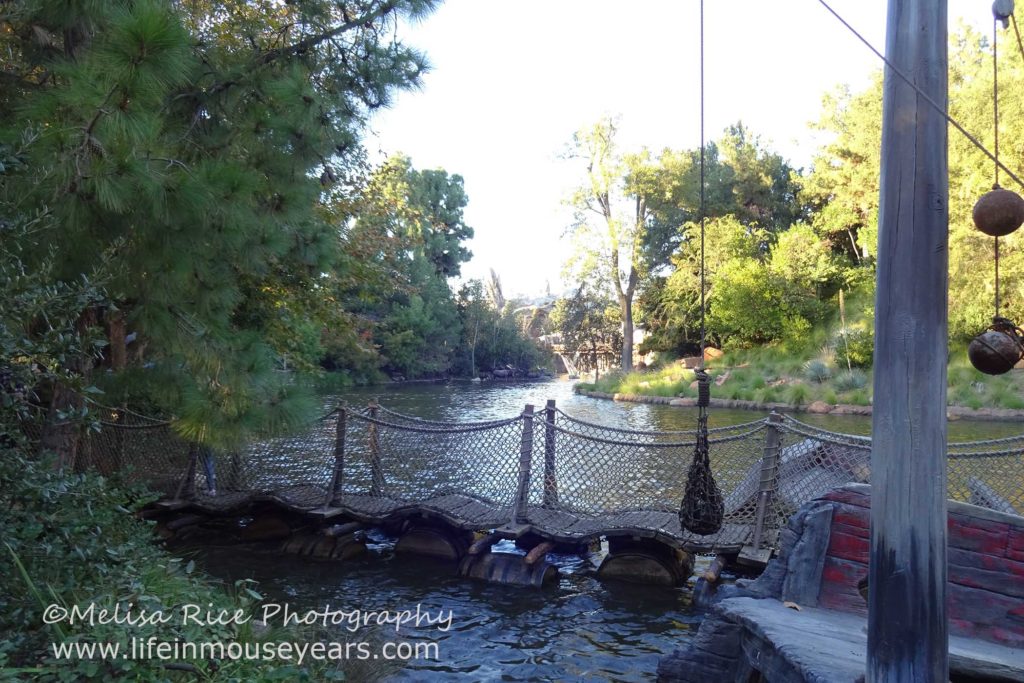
579, 630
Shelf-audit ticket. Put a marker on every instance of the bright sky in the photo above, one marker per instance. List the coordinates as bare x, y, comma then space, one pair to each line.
511, 82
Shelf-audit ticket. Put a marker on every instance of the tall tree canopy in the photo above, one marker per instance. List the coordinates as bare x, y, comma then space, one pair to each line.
612, 210
186, 147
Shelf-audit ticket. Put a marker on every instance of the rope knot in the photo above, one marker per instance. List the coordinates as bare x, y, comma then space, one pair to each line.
703, 388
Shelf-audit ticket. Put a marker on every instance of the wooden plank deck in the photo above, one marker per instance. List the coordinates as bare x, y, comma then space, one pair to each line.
471, 514
831, 647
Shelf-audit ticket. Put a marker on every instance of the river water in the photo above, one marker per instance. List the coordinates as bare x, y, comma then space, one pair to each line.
577, 630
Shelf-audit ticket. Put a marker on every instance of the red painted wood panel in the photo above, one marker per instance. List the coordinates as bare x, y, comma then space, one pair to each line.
978, 535
857, 518
854, 498
985, 608
1010, 637
986, 570
839, 579
1015, 539
858, 531
992, 563
848, 547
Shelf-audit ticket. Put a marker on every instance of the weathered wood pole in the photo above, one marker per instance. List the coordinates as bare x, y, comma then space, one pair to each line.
550, 479
769, 476
376, 471
338, 475
525, 456
907, 623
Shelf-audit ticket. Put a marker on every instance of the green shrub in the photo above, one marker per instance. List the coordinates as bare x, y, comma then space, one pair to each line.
60, 549
858, 344
817, 370
797, 394
850, 380
858, 397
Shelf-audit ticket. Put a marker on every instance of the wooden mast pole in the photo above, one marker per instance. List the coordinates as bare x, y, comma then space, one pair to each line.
907, 624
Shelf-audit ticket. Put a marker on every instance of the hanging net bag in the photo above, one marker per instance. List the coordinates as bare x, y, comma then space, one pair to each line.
702, 508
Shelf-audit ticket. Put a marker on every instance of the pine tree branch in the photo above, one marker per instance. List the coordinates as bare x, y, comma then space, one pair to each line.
306, 44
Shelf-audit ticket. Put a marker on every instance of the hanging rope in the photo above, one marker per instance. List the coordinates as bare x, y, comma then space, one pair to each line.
995, 129
702, 508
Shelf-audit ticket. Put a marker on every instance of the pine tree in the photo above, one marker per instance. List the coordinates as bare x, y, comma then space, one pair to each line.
188, 146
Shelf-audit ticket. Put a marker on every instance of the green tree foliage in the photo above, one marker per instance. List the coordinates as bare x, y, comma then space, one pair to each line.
843, 186
808, 235
612, 211
492, 338
588, 323
845, 177
188, 145
746, 183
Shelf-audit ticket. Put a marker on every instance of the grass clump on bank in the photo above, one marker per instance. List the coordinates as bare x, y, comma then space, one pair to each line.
773, 375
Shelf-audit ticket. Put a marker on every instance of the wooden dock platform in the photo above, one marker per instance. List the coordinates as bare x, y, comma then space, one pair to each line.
805, 620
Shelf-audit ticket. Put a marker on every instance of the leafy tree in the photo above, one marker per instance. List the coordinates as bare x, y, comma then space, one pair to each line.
745, 181
845, 177
843, 185
727, 241
612, 211
408, 230
587, 321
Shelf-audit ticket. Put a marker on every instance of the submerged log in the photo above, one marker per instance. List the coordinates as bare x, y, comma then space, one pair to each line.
483, 544
539, 552
712, 573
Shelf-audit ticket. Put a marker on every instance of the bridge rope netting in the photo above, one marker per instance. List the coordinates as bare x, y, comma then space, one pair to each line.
564, 475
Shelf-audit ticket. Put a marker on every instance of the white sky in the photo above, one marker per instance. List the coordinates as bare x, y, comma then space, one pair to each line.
511, 82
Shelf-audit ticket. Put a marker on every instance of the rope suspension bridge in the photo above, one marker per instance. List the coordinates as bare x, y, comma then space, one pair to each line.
542, 474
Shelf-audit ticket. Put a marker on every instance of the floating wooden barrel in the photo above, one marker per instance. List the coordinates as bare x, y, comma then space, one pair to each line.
434, 541
326, 547
645, 562
508, 568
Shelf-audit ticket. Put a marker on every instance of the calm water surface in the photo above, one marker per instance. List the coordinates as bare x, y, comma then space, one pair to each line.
578, 630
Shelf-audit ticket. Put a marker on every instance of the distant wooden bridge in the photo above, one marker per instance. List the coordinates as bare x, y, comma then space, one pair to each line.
546, 479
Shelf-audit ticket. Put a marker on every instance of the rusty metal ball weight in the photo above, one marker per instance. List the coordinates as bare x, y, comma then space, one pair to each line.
996, 350
999, 212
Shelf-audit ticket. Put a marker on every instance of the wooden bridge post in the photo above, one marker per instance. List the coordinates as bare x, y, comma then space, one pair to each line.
338, 477
550, 479
376, 471
908, 628
525, 456
769, 476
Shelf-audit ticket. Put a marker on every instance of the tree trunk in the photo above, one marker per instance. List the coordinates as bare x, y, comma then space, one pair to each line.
115, 338
60, 433
626, 310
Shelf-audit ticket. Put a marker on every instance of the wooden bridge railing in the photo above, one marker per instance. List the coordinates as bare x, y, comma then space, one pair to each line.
525, 456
